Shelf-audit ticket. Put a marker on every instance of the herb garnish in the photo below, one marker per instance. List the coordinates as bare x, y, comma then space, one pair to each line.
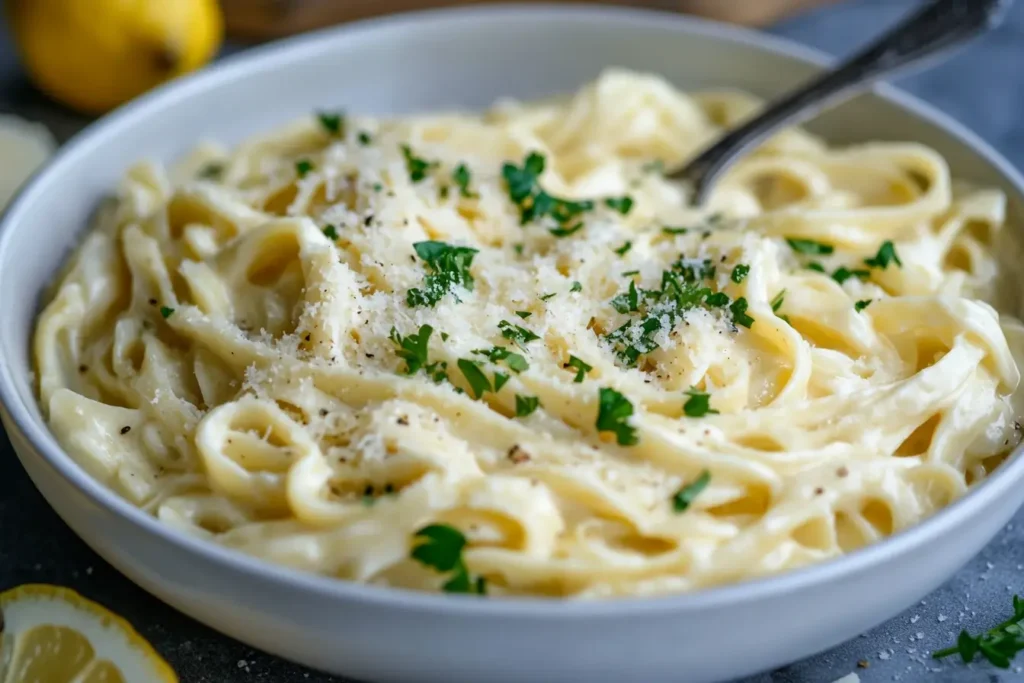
843, 274
581, 368
576, 286
330, 232
622, 204
525, 405
739, 273
303, 167
861, 305
415, 166
566, 232
998, 645
613, 413
364, 138
717, 300
517, 334
500, 379
450, 268
777, 302
545, 297
739, 312
462, 178
166, 312
412, 348
515, 362
440, 546
627, 302
816, 267
534, 203
810, 247
675, 231
698, 404
621, 251
211, 171
685, 496
332, 122
478, 381
886, 255
524, 314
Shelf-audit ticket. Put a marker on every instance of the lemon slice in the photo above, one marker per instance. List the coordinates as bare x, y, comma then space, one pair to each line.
24, 146
50, 634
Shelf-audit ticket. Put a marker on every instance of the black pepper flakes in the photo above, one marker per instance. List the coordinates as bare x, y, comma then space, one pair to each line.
402, 420
83, 368
126, 429
517, 455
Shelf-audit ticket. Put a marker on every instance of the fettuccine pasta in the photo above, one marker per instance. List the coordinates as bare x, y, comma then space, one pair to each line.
502, 353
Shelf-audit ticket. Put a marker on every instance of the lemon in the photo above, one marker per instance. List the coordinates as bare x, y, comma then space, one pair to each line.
50, 634
96, 54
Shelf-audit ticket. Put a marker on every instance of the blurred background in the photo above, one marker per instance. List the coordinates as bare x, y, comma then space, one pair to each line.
65, 62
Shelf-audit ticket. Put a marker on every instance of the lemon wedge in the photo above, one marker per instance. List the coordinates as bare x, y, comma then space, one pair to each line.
50, 634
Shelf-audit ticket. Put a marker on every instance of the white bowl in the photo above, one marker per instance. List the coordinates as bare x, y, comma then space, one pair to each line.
468, 58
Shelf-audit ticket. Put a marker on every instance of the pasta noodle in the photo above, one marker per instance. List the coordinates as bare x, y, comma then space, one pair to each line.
353, 345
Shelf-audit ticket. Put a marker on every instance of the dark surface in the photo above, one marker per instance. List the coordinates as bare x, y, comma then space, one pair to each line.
983, 87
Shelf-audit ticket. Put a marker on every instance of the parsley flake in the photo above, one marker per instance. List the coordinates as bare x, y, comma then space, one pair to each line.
861, 305
777, 302
449, 266
843, 274
211, 171
566, 232
476, 378
412, 348
524, 314
685, 496
698, 404
514, 361
364, 138
675, 231
739, 273
416, 167
304, 167
500, 379
166, 312
440, 546
627, 302
738, 309
717, 300
576, 287
534, 203
330, 232
517, 334
816, 267
621, 251
525, 405
545, 297
886, 255
810, 247
581, 368
462, 178
613, 413
332, 122
622, 204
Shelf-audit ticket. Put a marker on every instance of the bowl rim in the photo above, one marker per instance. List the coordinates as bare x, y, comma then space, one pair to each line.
44, 445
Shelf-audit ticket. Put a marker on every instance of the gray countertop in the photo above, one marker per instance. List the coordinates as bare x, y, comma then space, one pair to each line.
983, 87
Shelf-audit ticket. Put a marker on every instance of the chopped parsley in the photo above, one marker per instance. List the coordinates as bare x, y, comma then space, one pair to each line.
500, 379
303, 167
566, 232
816, 267
630, 273
515, 362
440, 546
739, 273
545, 297
685, 496
613, 413
534, 203
843, 274
330, 232
462, 178
627, 302
524, 314
717, 300
777, 302
476, 378
621, 251
810, 247
581, 368
166, 312
449, 266
622, 204
364, 138
412, 348
332, 122
576, 287
518, 248
738, 309
886, 255
211, 171
698, 404
416, 167
861, 305
998, 645
675, 231
517, 334
444, 336
525, 405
